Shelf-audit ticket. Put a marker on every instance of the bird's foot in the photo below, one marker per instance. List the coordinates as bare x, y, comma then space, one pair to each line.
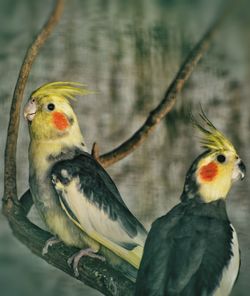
74, 259
50, 242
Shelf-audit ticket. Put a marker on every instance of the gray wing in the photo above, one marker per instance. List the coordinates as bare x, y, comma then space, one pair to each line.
184, 255
92, 200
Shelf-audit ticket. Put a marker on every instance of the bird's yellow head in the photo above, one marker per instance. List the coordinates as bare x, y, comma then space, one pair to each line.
49, 112
212, 173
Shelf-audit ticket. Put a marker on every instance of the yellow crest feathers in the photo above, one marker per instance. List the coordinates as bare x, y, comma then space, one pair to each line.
212, 139
65, 89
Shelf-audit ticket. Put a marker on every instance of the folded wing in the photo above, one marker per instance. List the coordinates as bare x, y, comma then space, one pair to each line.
90, 198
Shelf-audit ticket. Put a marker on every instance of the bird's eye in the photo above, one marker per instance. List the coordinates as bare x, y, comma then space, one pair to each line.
221, 158
51, 107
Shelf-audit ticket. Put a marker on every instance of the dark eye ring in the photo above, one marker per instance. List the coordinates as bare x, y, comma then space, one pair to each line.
221, 158
51, 106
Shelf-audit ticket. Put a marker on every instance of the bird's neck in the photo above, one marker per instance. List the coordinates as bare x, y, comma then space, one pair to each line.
44, 153
207, 192
215, 191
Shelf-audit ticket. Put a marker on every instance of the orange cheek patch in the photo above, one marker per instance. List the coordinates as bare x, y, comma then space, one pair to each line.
60, 120
209, 171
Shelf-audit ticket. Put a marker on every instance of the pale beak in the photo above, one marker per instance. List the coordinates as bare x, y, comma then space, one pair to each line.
242, 168
239, 170
30, 110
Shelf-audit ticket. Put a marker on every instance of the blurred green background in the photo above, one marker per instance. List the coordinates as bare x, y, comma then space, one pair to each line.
129, 51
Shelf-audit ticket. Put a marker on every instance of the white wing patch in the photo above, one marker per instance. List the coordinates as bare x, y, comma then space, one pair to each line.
91, 218
231, 271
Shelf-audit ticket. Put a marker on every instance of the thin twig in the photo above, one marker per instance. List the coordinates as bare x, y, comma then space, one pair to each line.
10, 188
168, 101
95, 152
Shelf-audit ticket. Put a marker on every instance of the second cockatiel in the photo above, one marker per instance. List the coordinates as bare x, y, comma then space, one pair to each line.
193, 249
74, 195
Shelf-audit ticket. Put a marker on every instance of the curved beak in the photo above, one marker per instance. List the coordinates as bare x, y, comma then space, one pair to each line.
242, 169
30, 109
239, 170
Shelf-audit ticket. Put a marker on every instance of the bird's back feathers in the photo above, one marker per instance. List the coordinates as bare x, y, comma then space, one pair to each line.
186, 251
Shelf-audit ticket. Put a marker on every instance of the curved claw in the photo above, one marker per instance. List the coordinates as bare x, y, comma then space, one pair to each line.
50, 242
75, 258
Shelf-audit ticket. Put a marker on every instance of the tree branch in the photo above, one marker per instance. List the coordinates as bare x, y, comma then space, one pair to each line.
94, 273
10, 189
168, 101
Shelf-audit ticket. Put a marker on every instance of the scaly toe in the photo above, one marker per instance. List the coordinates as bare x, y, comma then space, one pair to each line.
75, 259
50, 242
70, 260
99, 257
75, 268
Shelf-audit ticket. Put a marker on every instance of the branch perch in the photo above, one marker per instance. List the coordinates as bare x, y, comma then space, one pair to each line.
168, 101
10, 189
94, 273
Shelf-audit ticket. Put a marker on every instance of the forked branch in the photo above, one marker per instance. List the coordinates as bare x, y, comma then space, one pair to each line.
94, 273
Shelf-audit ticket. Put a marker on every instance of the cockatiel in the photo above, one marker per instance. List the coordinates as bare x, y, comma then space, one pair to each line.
193, 249
74, 195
